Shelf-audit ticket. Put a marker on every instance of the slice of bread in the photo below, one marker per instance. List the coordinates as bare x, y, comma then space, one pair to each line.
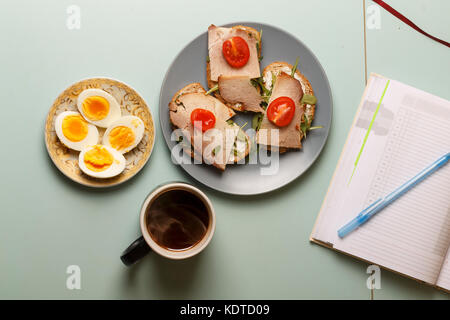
197, 88
251, 32
194, 87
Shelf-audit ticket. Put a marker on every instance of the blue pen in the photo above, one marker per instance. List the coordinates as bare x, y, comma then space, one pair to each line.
381, 203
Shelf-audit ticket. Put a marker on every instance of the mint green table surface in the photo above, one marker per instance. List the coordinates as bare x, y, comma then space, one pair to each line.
261, 247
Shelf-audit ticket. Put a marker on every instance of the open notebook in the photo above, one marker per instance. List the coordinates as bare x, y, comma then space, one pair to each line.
408, 130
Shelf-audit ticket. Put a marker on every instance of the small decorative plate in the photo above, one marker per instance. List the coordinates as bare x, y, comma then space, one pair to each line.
131, 103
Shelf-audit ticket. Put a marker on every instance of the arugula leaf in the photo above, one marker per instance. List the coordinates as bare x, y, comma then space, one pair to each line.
237, 153
241, 136
254, 82
305, 125
308, 99
216, 150
264, 103
267, 92
215, 88
294, 68
259, 81
256, 121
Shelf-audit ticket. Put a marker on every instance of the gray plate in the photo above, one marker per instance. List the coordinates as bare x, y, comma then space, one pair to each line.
277, 45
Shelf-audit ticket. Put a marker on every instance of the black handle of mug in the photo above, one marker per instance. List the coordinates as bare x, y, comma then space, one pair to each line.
136, 251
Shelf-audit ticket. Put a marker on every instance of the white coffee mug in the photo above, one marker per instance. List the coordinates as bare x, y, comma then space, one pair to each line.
140, 247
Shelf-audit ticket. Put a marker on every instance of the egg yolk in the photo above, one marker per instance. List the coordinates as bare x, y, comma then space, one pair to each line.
95, 108
74, 128
98, 159
121, 137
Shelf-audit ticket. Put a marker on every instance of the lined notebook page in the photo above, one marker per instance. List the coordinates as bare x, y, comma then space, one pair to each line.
411, 130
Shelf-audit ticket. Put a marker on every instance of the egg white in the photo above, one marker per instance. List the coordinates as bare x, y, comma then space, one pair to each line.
90, 139
132, 122
115, 169
114, 107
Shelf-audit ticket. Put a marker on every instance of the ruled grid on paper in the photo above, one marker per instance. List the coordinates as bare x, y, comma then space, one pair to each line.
407, 236
411, 235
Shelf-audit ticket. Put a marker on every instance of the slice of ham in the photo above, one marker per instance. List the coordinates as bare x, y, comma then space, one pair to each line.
222, 134
218, 64
290, 135
239, 89
191, 101
217, 144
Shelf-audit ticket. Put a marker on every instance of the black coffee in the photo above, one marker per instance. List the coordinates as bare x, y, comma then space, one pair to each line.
177, 220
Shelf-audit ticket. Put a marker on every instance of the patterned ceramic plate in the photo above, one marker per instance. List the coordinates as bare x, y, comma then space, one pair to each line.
131, 103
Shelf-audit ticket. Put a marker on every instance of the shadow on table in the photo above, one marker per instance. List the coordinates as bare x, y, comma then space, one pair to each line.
163, 278
393, 285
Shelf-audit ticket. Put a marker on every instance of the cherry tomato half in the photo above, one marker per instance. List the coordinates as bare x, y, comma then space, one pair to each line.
203, 119
235, 51
281, 111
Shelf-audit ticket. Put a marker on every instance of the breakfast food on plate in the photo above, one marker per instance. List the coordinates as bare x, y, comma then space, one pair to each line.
270, 74
98, 107
78, 131
189, 108
241, 93
280, 81
232, 52
74, 132
281, 98
101, 161
124, 134
284, 113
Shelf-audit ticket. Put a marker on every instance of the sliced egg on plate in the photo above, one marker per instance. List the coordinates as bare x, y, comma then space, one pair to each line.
74, 132
101, 161
124, 134
98, 107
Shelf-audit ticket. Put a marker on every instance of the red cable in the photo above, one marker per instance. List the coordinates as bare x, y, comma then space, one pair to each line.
408, 22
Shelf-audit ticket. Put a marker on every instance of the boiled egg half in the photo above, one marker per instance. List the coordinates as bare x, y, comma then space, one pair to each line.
98, 107
74, 132
101, 161
124, 134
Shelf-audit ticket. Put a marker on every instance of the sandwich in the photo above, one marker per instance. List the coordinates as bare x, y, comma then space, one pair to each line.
190, 103
291, 107
281, 97
233, 61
